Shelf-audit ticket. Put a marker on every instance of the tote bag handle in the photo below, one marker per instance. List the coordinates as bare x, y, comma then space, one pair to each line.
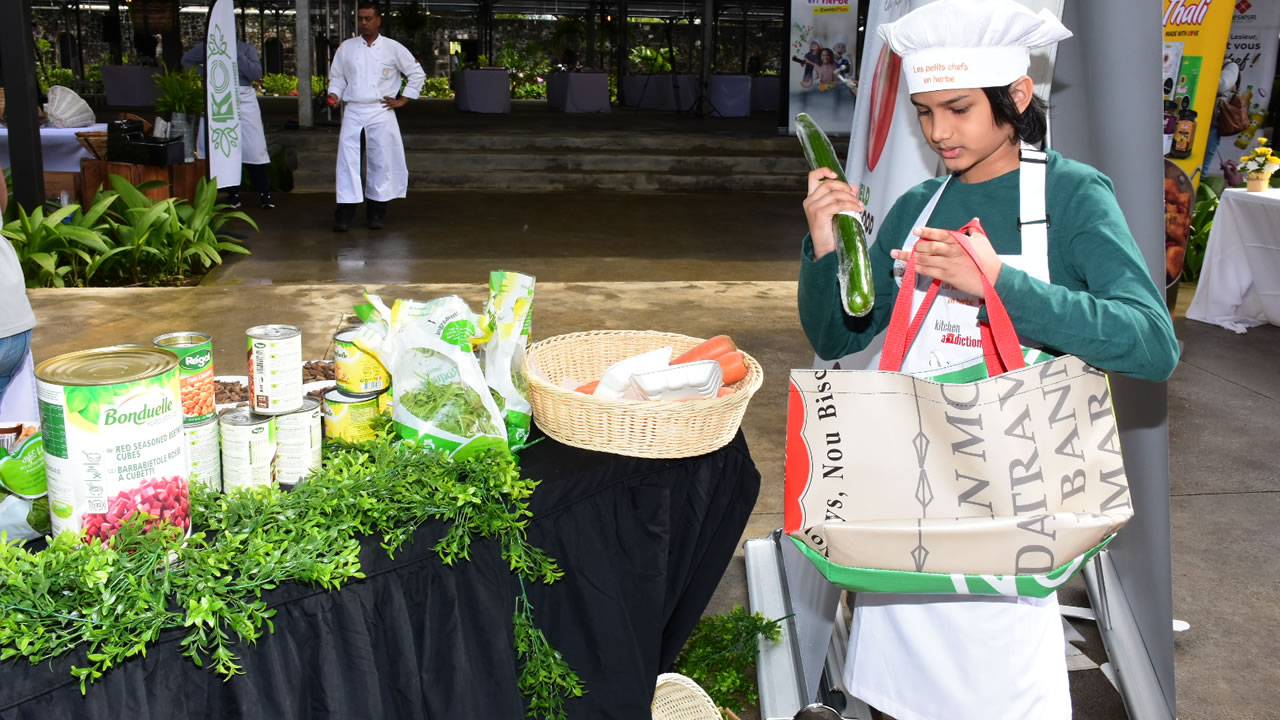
1000, 346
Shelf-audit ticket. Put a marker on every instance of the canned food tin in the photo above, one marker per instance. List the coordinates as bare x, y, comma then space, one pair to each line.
204, 454
195, 368
299, 442
350, 417
248, 449
275, 369
356, 371
112, 423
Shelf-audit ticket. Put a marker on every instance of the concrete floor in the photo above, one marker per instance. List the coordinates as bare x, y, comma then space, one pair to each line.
703, 265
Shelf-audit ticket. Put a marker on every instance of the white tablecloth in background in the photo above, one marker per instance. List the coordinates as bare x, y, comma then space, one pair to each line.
483, 90
764, 93
731, 95
660, 92
58, 146
578, 92
1240, 281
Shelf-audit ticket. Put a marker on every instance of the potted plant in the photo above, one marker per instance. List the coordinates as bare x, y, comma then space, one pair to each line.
181, 96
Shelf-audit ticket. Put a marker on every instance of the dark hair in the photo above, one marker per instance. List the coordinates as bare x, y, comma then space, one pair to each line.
1029, 125
369, 5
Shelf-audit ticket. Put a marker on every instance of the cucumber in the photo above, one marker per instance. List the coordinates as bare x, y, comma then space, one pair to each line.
857, 292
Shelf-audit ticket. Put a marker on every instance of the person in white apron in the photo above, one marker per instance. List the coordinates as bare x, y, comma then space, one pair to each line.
366, 75
1070, 274
253, 138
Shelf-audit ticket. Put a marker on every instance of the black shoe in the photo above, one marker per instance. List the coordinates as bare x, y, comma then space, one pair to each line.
267, 201
233, 199
376, 213
342, 216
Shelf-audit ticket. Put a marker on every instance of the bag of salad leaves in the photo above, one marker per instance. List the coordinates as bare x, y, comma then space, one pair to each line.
440, 394
509, 316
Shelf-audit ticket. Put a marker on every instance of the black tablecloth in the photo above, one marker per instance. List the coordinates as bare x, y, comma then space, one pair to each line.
643, 544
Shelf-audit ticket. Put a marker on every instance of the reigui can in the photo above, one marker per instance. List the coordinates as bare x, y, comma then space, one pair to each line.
204, 454
275, 369
299, 442
112, 425
350, 417
356, 371
248, 449
195, 366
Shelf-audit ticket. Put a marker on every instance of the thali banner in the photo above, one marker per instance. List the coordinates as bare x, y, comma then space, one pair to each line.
1195, 40
222, 77
888, 154
823, 45
1252, 46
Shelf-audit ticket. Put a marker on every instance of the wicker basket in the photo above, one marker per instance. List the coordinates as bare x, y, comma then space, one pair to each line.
646, 429
676, 697
95, 142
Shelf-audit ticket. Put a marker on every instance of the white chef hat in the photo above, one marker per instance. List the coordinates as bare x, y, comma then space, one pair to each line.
969, 43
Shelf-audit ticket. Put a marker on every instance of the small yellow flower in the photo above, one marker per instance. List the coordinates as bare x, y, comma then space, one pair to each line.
1245, 158
1264, 151
1262, 141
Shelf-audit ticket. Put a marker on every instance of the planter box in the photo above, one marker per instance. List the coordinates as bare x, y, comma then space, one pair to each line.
180, 180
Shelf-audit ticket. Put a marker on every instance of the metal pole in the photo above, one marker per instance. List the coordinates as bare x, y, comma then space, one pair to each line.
21, 92
624, 42
262, 30
302, 42
708, 41
79, 44
116, 45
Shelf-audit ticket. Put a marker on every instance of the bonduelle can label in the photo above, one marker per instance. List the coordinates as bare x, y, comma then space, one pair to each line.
248, 449
195, 368
356, 371
275, 369
204, 454
350, 417
112, 423
299, 441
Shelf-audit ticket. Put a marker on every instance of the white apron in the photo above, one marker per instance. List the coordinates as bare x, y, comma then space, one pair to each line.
958, 657
253, 139
388, 176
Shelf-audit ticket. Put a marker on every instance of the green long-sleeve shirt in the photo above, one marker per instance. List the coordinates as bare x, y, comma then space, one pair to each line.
1101, 304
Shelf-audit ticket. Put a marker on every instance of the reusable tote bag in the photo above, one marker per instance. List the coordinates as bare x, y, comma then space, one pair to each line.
1006, 485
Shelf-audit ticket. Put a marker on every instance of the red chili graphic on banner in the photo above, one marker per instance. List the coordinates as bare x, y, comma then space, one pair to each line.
884, 95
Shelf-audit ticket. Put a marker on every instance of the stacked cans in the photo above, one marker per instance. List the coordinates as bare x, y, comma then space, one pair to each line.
200, 422
277, 439
363, 391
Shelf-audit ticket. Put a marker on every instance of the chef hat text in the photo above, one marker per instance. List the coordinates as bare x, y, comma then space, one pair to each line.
967, 44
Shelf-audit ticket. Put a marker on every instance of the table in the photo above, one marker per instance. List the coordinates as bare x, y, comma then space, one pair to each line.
483, 90
578, 92
731, 95
665, 91
1239, 283
59, 147
643, 544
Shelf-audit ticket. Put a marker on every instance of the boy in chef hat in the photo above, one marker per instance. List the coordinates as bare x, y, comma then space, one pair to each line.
1061, 257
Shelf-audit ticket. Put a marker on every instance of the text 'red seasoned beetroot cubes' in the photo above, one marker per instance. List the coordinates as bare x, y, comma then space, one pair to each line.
162, 499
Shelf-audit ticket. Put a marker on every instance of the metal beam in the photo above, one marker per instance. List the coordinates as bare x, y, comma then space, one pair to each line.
21, 93
303, 42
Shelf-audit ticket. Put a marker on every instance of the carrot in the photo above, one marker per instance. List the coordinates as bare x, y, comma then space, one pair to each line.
708, 350
732, 367
589, 388
724, 391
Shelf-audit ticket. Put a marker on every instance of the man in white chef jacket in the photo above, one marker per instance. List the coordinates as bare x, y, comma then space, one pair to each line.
366, 75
